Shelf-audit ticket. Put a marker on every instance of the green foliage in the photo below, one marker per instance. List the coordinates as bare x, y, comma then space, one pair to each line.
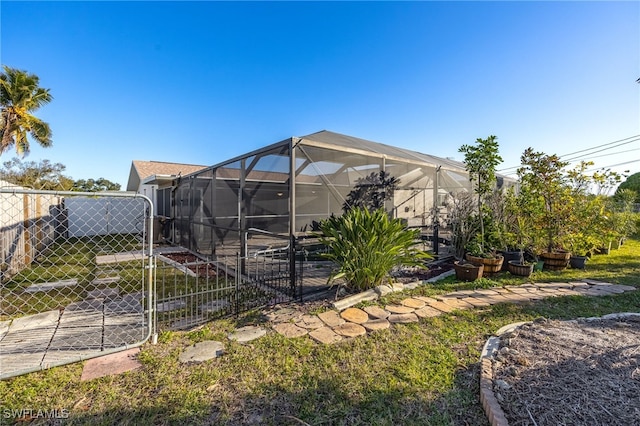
36, 175
633, 183
548, 194
20, 95
480, 161
91, 185
371, 192
367, 245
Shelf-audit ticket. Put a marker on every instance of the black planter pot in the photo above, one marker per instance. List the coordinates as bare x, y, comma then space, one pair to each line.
578, 262
509, 256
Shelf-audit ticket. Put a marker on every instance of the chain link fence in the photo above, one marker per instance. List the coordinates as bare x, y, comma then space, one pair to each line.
75, 276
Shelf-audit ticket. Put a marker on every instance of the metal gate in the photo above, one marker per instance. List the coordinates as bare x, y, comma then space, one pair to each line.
75, 276
193, 290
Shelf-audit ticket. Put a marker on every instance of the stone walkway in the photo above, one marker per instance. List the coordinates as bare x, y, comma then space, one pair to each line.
335, 325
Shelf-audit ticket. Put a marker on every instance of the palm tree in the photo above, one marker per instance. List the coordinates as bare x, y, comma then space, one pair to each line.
20, 95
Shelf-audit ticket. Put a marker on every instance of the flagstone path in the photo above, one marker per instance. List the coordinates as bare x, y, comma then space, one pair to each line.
336, 325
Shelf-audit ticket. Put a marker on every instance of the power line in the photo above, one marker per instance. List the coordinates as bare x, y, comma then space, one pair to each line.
606, 144
610, 145
600, 150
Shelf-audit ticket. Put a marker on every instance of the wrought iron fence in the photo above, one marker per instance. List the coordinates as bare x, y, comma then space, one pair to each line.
75, 277
192, 290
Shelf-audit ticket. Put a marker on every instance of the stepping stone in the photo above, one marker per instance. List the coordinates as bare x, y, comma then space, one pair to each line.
403, 318
411, 285
355, 315
350, 329
427, 312
397, 309
85, 305
310, 322
36, 288
331, 318
377, 312
413, 303
247, 334
377, 324
289, 330
457, 303
284, 315
325, 335
201, 352
109, 365
476, 303
213, 306
438, 305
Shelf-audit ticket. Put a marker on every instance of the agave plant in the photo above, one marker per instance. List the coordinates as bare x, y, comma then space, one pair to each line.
366, 246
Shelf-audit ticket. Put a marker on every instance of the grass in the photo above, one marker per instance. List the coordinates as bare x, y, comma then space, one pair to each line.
415, 374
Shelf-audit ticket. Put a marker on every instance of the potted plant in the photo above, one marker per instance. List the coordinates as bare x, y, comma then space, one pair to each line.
468, 271
480, 161
582, 245
491, 260
548, 192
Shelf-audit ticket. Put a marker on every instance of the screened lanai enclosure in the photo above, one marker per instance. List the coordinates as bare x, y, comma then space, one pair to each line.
267, 199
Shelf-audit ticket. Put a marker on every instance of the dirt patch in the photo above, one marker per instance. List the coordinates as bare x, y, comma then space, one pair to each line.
406, 275
583, 372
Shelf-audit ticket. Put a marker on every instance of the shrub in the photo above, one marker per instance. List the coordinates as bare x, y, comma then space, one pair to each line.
366, 246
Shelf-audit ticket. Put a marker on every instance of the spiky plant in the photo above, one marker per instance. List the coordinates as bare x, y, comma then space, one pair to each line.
366, 246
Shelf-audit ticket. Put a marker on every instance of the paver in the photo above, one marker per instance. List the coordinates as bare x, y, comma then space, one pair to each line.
350, 329
377, 324
289, 330
355, 315
325, 335
398, 309
247, 333
331, 318
413, 303
202, 351
403, 318
376, 312
427, 312
310, 322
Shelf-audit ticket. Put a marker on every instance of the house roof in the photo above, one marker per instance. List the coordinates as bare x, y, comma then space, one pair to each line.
141, 170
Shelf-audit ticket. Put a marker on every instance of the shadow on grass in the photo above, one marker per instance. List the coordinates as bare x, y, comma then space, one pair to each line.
325, 402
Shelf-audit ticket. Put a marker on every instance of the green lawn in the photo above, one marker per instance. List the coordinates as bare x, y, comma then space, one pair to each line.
415, 374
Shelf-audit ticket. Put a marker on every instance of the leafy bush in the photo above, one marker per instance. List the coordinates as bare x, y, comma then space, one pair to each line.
367, 245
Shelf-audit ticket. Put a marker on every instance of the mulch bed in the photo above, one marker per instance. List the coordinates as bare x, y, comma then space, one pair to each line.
200, 267
570, 373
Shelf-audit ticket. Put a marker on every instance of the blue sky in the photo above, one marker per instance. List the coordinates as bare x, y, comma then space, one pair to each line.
201, 82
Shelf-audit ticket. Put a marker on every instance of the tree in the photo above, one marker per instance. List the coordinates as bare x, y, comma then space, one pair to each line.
91, 185
371, 192
480, 161
633, 183
36, 175
548, 194
20, 95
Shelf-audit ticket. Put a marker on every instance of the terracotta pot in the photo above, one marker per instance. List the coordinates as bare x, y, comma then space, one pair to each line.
467, 271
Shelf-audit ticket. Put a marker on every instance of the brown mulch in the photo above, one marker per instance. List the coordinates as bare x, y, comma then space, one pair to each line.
201, 267
570, 373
